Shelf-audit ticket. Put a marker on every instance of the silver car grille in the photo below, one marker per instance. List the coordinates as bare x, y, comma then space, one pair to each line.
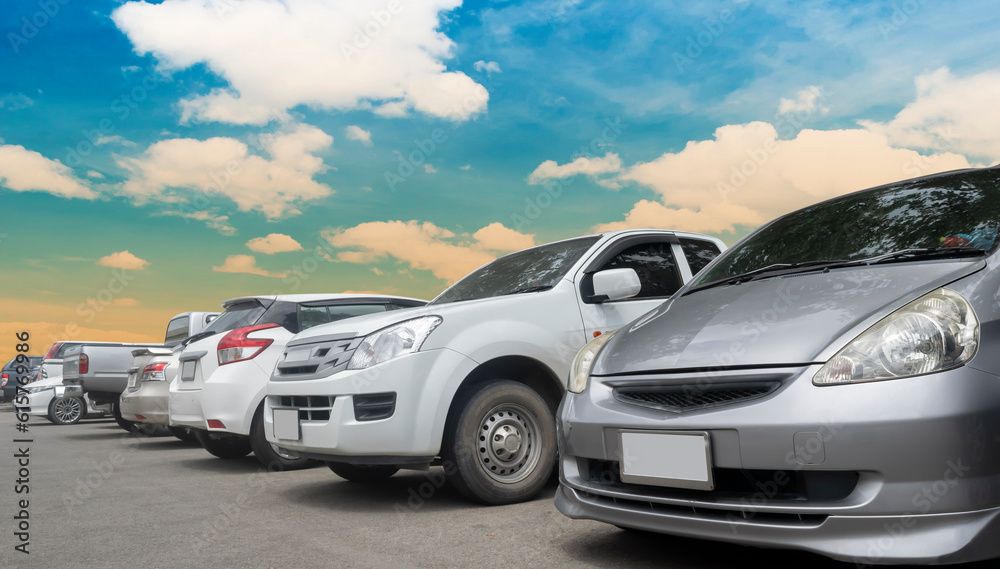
690, 397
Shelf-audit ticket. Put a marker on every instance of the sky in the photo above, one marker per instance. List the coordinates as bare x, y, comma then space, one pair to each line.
161, 157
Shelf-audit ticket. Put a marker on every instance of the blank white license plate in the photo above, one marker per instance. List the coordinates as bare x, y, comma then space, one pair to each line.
674, 459
132, 380
297, 354
187, 370
286, 424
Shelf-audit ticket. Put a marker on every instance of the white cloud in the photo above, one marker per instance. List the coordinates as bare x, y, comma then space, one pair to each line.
15, 101
466, 167
24, 170
949, 114
113, 139
430, 169
244, 264
807, 100
218, 222
94, 174
322, 53
487, 66
424, 246
123, 260
610, 163
355, 132
225, 166
746, 176
273, 243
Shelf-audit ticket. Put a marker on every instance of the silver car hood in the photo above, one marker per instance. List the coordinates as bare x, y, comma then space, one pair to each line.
790, 320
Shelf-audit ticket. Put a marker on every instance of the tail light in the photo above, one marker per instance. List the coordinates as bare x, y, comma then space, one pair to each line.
84, 364
52, 351
3, 380
235, 346
215, 424
154, 372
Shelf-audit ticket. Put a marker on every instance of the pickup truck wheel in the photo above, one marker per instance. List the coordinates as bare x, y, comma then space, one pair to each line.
272, 456
224, 446
66, 410
185, 434
502, 448
356, 473
122, 422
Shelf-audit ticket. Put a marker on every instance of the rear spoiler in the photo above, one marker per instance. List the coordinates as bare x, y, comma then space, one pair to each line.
152, 352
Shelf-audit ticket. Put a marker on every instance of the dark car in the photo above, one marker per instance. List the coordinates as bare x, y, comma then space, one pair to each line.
13, 370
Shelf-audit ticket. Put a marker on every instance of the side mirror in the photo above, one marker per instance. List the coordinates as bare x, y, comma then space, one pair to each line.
615, 284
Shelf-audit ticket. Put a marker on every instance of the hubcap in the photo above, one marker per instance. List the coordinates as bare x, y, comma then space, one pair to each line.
506, 444
68, 409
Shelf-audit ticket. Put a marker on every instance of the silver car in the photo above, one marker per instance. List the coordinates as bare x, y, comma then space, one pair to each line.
831, 383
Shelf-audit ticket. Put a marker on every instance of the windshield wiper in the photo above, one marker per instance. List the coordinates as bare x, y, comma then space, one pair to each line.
776, 269
195, 338
529, 289
925, 253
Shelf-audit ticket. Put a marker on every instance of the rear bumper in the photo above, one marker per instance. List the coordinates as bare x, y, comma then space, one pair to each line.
151, 401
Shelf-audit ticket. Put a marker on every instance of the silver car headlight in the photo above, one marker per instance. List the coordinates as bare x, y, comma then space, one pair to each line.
584, 361
393, 341
935, 332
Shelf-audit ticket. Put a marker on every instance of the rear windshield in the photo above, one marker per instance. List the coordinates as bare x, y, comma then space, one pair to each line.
237, 316
533, 270
177, 330
957, 210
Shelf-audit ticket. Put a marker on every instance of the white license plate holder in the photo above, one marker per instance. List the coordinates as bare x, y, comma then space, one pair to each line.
188, 370
286, 424
676, 459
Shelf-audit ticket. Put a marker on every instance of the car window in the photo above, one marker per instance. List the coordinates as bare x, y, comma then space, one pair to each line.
655, 265
960, 210
698, 253
310, 316
236, 316
177, 330
532, 270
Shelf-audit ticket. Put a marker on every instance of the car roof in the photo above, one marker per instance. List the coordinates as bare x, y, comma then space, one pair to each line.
318, 298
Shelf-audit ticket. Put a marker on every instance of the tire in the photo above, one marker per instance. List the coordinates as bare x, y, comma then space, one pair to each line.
268, 454
500, 447
224, 446
122, 422
185, 434
362, 474
66, 410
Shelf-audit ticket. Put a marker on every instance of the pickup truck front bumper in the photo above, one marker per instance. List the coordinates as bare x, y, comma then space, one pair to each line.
332, 421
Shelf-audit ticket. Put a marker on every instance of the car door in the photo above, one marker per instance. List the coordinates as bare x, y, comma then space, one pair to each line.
660, 269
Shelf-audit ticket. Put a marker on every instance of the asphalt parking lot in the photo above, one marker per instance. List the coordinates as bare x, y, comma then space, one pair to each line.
100, 497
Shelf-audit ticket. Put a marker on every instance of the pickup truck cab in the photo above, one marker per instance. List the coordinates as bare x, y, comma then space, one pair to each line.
472, 380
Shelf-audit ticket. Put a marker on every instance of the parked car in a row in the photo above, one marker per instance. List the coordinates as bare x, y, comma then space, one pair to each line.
101, 371
831, 383
11, 377
471, 380
40, 399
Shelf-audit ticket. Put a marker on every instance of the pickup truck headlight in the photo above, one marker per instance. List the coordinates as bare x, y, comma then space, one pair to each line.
584, 361
935, 332
393, 341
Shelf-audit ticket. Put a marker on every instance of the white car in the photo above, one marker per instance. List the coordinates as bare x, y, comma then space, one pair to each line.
222, 374
472, 380
40, 400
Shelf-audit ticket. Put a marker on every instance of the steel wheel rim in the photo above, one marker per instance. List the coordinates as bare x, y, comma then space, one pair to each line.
507, 448
67, 409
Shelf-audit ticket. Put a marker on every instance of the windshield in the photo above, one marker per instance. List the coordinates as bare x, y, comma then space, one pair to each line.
960, 211
533, 270
236, 316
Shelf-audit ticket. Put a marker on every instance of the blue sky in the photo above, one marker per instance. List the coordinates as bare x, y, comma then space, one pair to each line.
416, 140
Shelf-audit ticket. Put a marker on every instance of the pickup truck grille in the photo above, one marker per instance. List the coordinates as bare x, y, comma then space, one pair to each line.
310, 407
316, 360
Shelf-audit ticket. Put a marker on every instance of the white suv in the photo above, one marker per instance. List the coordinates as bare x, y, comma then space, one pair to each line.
223, 371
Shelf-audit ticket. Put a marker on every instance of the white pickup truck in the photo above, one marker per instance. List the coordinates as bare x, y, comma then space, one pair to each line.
471, 381
101, 370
